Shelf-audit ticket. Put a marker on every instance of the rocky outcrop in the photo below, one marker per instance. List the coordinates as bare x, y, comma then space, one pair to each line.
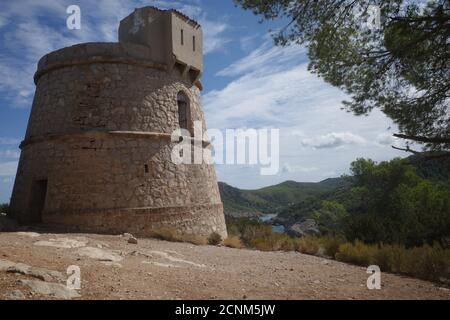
15, 295
55, 290
307, 227
281, 221
297, 228
35, 272
99, 254
49, 282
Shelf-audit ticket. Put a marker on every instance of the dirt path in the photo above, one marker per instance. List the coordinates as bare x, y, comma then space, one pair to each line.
112, 268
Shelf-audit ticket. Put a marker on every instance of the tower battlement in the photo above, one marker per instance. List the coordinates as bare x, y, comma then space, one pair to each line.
173, 38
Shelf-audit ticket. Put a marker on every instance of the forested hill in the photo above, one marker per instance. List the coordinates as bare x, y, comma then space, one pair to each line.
434, 169
273, 199
280, 197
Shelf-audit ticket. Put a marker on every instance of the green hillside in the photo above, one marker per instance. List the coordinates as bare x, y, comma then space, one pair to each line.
293, 198
235, 201
434, 170
272, 199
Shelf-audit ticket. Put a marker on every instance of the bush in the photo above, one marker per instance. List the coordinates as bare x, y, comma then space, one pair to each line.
173, 235
274, 242
308, 245
289, 244
390, 203
233, 242
331, 245
253, 232
428, 263
192, 238
214, 239
262, 244
232, 229
357, 253
390, 258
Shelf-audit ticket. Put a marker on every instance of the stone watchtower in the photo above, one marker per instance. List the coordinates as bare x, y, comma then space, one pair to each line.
97, 151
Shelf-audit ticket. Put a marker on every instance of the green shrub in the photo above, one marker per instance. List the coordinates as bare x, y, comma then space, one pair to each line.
308, 245
233, 226
390, 258
274, 242
356, 253
252, 232
289, 244
428, 262
390, 203
214, 239
331, 245
262, 244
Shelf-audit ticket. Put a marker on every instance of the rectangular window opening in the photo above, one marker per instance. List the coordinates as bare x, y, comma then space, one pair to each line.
182, 37
193, 43
146, 168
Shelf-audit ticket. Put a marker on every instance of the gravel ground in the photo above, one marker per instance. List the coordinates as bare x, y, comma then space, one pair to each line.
112, 268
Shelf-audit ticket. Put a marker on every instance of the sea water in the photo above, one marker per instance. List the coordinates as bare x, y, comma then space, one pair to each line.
275, 228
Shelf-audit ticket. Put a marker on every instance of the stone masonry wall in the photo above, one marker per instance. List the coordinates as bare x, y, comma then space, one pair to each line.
99, 133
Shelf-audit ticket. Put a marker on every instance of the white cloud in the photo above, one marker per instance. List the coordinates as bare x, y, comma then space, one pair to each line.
31, 37
9, 141
3, 21
288, 168
17, 81
10, 154
271, 87
8, 168
386, 139
248, 42
333, 140
266, 58
213, 39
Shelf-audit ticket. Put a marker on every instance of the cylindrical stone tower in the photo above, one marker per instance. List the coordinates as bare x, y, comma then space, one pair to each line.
97, 151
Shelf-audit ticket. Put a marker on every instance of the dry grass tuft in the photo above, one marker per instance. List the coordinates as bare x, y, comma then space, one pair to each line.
173, 235
233, 242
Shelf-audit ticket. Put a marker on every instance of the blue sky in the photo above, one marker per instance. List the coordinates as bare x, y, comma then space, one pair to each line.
248, 83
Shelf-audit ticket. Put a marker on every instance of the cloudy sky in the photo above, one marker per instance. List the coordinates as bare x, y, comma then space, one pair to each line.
248, 83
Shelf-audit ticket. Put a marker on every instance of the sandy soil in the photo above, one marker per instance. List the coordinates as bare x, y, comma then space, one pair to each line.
112, 268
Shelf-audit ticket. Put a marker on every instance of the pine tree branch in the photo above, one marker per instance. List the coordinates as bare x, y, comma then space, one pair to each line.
425, 155
435, 140
407, 149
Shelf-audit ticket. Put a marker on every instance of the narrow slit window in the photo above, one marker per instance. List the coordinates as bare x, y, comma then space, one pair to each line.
183, 110
193, 43
146, 168
182, 37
